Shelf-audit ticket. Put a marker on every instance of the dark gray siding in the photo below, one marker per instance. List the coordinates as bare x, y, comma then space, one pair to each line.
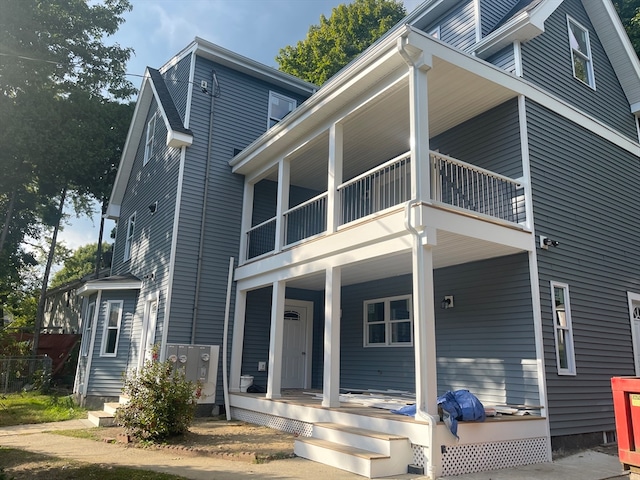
157, 181
105, 378
585, 194
457, 27
491, 141
504, 59
265, 197
547, 62
177, 81
239, 117
492, 12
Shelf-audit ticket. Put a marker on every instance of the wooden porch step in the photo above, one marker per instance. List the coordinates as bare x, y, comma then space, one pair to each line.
100, 418
112, 407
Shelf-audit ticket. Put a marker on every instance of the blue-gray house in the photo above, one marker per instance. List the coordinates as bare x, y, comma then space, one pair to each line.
455, 209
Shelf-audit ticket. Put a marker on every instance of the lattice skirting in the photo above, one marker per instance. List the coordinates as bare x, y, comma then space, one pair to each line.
302, 429
460, 459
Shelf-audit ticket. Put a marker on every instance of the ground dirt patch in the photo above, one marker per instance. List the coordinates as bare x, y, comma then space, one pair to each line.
233, 440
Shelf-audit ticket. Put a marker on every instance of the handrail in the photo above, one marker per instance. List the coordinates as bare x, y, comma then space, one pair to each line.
470, 166
266, 222
308, 202
378, 167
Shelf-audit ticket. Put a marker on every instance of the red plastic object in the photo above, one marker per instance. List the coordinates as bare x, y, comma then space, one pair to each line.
626, 404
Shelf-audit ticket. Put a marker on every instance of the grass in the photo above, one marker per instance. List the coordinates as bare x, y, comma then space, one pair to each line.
29, 407
22, 465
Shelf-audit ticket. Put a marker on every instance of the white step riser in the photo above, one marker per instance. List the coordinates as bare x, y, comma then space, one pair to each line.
372, 444
343, 461
111, 408
101, 419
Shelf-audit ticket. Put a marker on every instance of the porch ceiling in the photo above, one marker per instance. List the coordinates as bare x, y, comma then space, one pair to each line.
379, 130
452, 249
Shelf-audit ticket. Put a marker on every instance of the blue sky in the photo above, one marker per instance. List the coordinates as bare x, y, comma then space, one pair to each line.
158, 29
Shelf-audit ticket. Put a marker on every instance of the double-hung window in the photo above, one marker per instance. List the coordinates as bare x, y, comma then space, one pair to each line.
388, 322
131, 227
148, 146
581, 53
279, 107
562, 330
112, 328
88, 328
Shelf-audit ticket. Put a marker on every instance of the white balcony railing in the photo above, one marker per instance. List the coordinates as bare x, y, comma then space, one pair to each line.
383, 187
453, 182
466, 186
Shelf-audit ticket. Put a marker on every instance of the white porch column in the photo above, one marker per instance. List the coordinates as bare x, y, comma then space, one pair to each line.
274, 377
335, 177
419, 64
237, 341
284, 176
424, 328
332, 301
247, 214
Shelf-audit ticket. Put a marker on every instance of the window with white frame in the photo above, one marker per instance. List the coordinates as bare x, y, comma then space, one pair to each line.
112, 328
148, 146
581, 53
279, 107
388, 322
562, 330
88, 328
131, 227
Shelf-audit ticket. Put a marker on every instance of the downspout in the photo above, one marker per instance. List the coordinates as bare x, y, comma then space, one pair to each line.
214, 94
421, 413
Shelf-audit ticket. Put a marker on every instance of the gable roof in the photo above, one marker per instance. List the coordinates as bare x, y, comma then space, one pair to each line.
153, 86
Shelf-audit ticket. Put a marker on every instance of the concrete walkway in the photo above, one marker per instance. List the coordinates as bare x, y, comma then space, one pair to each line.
587, 465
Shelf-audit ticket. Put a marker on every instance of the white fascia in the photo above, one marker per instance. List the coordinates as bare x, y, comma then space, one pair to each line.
523, 27
91, 288
178, 139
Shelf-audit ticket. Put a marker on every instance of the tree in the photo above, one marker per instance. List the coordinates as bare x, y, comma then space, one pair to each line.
336, 41
79, 264
55, 72
629, 12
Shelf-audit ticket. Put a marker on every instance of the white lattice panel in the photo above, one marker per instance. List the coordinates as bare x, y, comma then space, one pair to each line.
460, 459
419, 455
288, 425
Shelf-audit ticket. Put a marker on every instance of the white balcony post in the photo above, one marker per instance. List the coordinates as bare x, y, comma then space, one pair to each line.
274, 377
238, 341
331, 381
419, 130
284, 176
335, 177
247, 214
424, 328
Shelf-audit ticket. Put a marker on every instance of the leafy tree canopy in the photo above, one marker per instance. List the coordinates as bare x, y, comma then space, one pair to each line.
80, 263
629, 11
339, 39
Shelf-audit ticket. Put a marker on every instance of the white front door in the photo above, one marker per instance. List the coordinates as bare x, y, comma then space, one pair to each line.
296, 344
634, 311
148, 335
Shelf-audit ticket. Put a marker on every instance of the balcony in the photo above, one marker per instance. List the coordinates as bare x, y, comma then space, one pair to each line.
455, 185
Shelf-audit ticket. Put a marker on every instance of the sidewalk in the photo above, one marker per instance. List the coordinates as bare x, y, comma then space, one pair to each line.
588, 465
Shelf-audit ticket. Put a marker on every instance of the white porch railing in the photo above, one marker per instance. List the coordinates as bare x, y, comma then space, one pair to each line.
376, 190
453, 182
306, 220
466, 186
261, 239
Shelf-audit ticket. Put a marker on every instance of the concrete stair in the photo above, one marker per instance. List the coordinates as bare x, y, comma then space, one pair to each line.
106, 416
357, 450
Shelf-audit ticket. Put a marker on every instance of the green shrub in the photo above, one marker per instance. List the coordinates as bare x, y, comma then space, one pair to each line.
162, 402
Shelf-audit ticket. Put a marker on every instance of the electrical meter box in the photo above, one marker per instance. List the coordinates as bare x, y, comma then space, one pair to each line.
199, 364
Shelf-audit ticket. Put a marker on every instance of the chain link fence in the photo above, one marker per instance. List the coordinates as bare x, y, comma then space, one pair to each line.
24, 373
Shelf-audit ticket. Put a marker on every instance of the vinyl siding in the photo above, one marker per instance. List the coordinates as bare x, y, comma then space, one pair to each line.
504, 59
492, 12
486, 343
457, 27
105, 378
585, 197
265, 197
547, 62
490, 140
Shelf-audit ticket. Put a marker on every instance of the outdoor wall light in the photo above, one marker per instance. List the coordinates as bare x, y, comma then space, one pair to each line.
546, 242
447, 302
153, 207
